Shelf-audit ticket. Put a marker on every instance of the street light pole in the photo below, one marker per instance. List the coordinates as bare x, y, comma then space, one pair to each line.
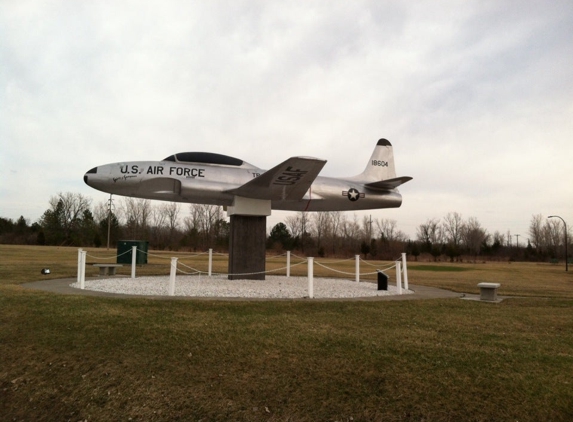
565, 224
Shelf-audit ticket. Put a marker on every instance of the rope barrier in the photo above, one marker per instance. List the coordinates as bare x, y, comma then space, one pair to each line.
188, 273
191, 268
375, 272
303, 261
276, 256
332, 269
310, 275
282, 268
238, 274
222, 254
178, 257
367, 263
374, 265
347, 273
341, 260
110, 257
156, 256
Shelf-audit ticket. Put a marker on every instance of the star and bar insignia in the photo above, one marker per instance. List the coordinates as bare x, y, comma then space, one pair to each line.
353, 194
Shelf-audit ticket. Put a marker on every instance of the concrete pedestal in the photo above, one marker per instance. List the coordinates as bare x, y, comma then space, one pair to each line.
488, 291
247, 247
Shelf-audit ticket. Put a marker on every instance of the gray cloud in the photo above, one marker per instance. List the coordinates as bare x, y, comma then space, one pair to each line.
476, 96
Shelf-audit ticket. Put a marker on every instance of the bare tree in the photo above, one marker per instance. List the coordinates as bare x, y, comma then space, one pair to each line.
553, 231
299, 225
73, 205
164, 224
211, 215
321, 226
351, 234
158, 230
191, 227
193, 221
65, 215
498, 238
367, 228
204, 224
429, 233
473, 236
335, 218
101, 210
294, 225
453, 228
158, 217
136, 213
537, 233
391, 239
388, 230
171, 210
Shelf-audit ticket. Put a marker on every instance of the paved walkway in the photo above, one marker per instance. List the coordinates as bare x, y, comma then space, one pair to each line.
62, 286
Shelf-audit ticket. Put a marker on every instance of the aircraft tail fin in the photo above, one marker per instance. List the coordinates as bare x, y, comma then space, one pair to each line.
380, 172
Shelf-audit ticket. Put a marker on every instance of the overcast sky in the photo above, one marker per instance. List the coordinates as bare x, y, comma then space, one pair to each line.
475, 96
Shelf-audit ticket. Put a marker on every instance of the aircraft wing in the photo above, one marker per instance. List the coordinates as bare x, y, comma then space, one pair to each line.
290, 180
389, 183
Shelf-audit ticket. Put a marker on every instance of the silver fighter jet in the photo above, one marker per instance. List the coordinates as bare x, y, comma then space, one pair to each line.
293, 185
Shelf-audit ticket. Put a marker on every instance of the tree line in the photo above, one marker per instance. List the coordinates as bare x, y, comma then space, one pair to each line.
71, 220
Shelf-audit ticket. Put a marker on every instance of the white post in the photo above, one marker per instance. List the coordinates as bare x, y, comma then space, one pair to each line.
210, 262
405, 271
133, 260
398, 277
357, 268
83, 270
79, 265
288, 265
172, 274
310, 278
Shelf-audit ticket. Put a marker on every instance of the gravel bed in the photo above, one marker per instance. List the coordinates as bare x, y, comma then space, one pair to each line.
274, 287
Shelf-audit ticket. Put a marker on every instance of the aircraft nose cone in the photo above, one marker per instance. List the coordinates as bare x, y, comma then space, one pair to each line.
86, 177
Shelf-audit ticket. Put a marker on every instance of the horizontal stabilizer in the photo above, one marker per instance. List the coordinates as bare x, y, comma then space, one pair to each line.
290, 180
389, 183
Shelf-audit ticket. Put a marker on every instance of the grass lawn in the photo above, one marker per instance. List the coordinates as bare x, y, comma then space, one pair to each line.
96, 358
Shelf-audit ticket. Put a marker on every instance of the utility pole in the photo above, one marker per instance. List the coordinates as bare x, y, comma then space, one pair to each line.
517, 239
109, 205
565, 224
370, 226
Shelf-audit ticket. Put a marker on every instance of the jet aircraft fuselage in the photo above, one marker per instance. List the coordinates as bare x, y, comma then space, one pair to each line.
294, 185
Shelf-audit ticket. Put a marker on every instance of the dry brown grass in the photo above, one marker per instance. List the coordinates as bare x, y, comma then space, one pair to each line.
516, 279
95, 358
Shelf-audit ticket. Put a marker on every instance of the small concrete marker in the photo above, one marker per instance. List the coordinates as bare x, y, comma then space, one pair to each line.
488, 291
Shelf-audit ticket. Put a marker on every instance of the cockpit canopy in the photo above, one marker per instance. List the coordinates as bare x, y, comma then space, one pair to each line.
205, 158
